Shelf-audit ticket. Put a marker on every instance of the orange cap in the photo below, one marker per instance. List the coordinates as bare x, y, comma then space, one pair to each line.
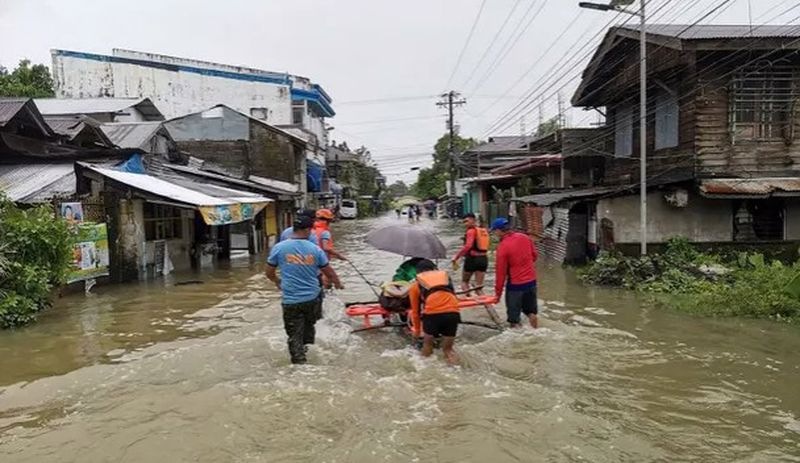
325, 214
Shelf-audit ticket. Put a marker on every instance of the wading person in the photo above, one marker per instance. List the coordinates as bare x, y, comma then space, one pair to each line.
474, 252
515, 268
322, 230
299, 262
434, 310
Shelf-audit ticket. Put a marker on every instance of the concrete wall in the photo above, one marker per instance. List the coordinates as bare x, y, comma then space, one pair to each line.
174, 92
703, 220
217, 124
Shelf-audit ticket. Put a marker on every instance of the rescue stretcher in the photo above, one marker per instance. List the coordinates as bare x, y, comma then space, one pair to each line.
365, 310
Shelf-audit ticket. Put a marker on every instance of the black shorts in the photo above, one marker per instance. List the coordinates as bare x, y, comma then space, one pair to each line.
474, 264
519, 302
441, 324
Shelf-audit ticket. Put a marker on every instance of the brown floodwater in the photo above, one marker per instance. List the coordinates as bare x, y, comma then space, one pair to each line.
159, 372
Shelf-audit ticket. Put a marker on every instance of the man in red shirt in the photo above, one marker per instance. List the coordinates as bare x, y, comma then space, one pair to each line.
476, 245
516, 270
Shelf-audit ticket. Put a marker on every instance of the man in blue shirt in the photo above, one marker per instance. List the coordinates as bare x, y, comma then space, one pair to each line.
287, 233
299, 262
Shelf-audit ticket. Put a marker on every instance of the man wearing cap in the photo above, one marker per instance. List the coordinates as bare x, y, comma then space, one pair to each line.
515, 269
287, 233
322, 230
474, 252
299, 262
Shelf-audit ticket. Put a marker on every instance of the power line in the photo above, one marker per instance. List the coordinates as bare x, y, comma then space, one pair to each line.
466, 43
494, 40
510, 44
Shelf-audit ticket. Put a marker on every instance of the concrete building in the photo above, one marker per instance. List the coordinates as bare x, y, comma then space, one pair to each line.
181, 86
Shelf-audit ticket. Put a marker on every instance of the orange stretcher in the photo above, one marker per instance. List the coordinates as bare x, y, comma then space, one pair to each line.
368, 309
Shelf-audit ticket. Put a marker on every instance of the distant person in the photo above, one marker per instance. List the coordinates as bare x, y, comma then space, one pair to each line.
287, 233
397, 211
474, 252
410, 213
516, 270
417, 213
434, 310
299, 262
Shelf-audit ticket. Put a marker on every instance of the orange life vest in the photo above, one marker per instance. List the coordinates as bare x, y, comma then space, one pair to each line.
432, 282
320, 227
481, 240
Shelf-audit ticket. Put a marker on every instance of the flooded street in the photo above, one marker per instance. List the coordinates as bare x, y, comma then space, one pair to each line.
200, 373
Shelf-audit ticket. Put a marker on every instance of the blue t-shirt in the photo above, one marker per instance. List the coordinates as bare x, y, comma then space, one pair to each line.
299, 262
286, 234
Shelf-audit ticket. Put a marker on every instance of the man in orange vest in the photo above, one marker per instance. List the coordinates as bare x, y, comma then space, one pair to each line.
323, 232
434, 310
474, 252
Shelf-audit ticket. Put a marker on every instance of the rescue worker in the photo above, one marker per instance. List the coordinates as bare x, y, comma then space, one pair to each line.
516, 271
323, 233
474, 252
434, 310
299, 262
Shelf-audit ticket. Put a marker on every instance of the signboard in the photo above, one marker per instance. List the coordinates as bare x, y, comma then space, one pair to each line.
72, 212
232, 213
90, 253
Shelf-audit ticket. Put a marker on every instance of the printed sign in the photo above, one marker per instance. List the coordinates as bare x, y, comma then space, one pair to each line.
72, 212
90, 252
233, 213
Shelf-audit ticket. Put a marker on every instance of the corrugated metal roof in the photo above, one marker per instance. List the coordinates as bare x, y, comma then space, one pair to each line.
187, 192
548, 199
131, 134
9, 107
258, 183
717, 31
67, 106
503, 143
37, 182
750, 187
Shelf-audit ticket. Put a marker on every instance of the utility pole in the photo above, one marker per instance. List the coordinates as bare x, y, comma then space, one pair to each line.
450, 100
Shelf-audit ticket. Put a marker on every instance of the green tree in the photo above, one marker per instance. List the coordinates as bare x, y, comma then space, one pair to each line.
35, 255
548, 127
398, 189
26, 81
432, 181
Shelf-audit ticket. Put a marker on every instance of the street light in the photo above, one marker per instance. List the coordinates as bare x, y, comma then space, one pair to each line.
619, 5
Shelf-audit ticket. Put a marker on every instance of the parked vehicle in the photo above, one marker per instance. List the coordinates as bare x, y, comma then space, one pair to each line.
349, 209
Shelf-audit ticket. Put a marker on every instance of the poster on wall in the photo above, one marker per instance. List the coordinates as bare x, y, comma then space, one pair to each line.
72, 213
90, 252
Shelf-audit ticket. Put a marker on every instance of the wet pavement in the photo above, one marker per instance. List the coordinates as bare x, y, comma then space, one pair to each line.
200, 373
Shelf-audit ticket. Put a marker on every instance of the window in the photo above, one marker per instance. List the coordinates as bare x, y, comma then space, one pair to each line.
162, 222
667, 111
259, 113
623, 132
298, 112
761, 103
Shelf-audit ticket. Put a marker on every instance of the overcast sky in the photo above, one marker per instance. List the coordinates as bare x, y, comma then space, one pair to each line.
364, 51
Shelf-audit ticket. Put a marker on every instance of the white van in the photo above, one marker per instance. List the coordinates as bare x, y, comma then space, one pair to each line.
349, 209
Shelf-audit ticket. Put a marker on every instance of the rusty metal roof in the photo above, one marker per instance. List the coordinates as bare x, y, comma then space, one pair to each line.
750, 187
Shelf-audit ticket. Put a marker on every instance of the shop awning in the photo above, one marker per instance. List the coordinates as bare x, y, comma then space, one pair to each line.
218, 206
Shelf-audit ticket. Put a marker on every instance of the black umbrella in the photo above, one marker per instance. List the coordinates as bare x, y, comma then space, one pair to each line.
408, 241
